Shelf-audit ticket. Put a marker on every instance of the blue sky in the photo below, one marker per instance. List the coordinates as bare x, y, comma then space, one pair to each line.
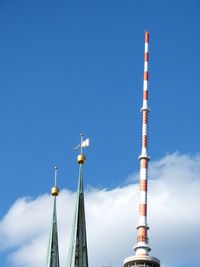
67, 67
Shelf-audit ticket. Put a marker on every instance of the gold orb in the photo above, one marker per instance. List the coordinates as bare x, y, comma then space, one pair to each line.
81, 159
54, 191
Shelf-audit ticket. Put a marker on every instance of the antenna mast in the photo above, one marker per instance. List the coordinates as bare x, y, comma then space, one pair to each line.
142, 248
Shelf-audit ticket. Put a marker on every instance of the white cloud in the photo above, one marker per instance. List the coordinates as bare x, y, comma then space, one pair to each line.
173, 215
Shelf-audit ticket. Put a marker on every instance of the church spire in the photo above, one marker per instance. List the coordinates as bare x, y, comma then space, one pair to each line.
78, 256
53, 252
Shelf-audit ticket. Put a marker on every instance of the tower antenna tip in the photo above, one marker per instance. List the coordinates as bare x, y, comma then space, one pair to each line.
146, 36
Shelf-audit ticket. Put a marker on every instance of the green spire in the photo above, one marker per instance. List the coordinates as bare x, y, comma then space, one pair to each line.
53, 252
78, 256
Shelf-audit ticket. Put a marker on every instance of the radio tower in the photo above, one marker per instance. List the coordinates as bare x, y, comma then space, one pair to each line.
142, 247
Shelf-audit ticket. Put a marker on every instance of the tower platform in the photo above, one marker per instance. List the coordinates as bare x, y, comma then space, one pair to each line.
141, 261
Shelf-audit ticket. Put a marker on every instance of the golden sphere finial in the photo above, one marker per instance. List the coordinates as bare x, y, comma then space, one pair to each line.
55, 191
81, 159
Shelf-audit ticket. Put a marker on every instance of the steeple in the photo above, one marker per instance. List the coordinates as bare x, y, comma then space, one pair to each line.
53, 252
78, 256
142, 247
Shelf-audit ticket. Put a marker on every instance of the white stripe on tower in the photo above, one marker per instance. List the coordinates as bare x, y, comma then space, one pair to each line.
142, 247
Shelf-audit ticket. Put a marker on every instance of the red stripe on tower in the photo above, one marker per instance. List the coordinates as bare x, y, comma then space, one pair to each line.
146, 75
146, 37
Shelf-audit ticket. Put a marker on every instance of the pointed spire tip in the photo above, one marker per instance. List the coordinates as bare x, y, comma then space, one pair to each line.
55, 189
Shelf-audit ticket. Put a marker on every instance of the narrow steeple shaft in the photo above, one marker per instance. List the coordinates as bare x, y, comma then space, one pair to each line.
53, 251
78, 255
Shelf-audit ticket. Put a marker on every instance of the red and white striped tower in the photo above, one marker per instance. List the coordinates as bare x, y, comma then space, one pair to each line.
142, 247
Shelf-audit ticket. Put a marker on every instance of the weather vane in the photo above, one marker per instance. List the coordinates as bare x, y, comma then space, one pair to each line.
83, 143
